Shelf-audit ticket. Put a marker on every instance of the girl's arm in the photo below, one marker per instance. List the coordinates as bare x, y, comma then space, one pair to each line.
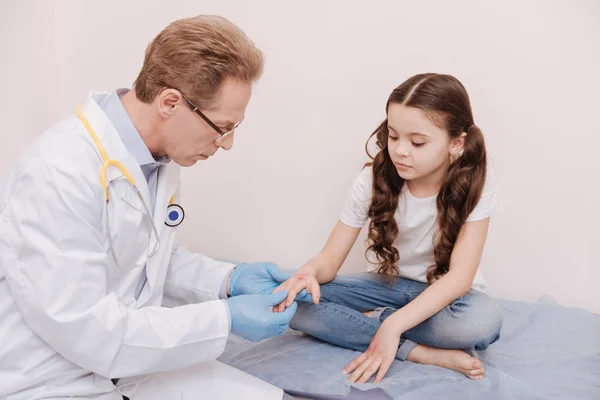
325, 265
322, 268
464, 262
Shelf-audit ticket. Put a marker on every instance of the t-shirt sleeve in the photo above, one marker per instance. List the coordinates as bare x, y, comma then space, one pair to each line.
489, 203
355, 211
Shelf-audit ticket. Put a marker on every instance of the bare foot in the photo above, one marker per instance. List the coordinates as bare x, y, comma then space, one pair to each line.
456, 360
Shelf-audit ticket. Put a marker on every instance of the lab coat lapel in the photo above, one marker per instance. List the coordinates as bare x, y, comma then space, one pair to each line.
168, 182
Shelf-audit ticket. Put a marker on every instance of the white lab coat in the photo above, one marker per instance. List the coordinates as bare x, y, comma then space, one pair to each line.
69, 320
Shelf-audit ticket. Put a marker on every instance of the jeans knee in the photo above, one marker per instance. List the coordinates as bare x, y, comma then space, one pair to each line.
303, 318
482, 336
471, 324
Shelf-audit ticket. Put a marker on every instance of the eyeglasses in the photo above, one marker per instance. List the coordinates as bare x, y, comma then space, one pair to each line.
196, 109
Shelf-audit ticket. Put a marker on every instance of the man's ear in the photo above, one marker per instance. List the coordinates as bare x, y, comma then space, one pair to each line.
167, 102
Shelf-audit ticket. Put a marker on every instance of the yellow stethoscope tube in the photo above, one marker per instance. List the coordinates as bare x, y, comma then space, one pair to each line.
106, 163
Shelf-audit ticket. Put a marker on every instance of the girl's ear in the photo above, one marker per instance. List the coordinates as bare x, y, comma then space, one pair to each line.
457, 146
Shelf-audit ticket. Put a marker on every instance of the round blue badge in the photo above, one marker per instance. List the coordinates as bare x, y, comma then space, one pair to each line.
175, 215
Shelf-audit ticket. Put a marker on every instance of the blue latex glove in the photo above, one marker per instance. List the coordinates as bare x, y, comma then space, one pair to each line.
260, 278
251, 319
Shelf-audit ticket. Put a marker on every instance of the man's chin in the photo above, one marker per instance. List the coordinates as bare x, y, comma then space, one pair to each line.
188, 162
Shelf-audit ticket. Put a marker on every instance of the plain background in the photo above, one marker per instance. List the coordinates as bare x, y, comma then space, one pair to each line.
531, 68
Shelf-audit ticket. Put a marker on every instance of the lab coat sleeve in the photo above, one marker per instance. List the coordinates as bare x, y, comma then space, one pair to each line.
54, 258
194, 278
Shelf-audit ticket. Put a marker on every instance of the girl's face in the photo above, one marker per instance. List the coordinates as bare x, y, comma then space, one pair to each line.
419, 148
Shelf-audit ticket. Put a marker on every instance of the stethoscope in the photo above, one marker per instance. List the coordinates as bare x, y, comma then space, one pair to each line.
175, 213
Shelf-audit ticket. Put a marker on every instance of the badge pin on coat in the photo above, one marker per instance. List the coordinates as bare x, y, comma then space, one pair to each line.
175, 215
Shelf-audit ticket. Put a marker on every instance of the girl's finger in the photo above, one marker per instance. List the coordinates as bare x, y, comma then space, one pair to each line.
355, 363
370, 371
315, 291
361, 369
385, 366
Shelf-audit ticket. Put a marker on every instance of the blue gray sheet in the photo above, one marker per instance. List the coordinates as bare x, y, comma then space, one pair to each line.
546, 352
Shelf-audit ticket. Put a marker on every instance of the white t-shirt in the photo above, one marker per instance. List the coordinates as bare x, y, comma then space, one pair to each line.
417, 223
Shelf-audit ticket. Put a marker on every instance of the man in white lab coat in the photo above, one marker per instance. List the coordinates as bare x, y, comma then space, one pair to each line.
88, 253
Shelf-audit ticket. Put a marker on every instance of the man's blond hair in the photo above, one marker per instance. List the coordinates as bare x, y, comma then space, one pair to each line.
196, 55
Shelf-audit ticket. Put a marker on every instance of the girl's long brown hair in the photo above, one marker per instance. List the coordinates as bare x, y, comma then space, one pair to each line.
446, 102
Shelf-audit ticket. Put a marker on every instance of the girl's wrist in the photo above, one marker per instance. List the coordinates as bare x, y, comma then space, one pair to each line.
308, 269
394, 323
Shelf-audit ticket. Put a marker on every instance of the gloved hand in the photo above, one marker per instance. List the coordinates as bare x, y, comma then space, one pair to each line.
251, 319
259, 278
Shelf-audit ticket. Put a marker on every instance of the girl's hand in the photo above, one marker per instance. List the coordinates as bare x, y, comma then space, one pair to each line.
379, 356
302, 281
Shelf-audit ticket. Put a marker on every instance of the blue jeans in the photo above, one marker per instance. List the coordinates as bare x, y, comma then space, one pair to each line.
471, 322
